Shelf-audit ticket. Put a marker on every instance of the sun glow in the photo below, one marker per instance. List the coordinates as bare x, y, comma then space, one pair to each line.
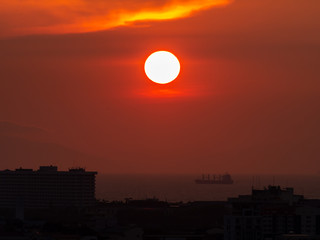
162, 67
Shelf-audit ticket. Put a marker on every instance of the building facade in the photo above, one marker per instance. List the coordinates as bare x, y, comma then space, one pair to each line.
270, 214
47, 187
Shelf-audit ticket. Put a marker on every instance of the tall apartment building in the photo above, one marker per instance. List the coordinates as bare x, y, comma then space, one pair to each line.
47, 187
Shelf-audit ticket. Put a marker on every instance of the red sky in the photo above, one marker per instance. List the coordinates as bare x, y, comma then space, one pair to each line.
247, 99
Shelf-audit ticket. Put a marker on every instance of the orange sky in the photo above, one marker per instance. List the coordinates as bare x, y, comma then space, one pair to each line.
246, 101
76, 16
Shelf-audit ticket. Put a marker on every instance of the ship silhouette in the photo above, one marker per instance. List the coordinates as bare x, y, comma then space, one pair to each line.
215, 179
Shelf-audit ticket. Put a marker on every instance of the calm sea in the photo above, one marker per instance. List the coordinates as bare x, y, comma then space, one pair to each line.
175, 188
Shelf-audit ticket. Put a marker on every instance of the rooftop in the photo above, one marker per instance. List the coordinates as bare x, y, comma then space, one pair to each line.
46, 170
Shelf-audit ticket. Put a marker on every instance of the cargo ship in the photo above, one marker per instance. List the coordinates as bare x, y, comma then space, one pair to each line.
215, 179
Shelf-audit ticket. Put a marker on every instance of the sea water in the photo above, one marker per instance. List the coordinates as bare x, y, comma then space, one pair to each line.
182, 188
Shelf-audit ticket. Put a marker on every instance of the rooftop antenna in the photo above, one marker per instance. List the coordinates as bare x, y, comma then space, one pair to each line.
273, 180
252, 185
256, 181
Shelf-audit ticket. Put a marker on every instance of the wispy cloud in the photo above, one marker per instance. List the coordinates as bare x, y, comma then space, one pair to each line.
74, 16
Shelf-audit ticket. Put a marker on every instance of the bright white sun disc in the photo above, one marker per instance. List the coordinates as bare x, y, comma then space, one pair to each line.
162, 67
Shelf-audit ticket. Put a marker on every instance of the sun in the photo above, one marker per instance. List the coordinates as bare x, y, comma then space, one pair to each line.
162, 67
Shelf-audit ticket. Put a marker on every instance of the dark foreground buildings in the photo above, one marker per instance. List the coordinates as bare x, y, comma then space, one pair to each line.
272, 213
51, 204
46, 187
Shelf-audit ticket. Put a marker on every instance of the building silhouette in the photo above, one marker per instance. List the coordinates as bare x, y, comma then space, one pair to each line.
46, 187
272, 213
